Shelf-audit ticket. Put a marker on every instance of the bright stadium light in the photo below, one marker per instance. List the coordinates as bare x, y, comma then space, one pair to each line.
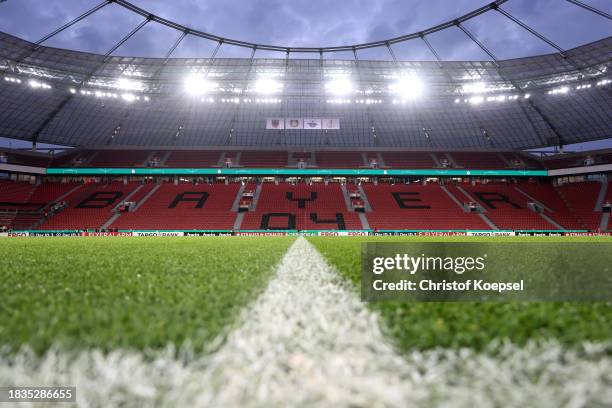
339, 87
560, 90
476, 100
408, 87
129, 85
197, 85
476, 87
38, 85
128, 97
267, 86
11, 79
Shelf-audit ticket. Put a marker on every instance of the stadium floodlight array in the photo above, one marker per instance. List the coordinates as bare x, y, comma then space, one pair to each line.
478, 99
126, 84
368, 101
339, 101
126, 96
407, 87
340, 86
38, 85
197, 85
11, 79
561, 90
476, 87
248, 100
266, 100
99, 94
267, 86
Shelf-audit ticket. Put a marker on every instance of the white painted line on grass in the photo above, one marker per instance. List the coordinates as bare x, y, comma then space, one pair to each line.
309, 341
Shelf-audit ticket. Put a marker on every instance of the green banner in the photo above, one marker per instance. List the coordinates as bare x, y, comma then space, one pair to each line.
152, 171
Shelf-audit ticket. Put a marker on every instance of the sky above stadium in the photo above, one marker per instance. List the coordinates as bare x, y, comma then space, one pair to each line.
309, 23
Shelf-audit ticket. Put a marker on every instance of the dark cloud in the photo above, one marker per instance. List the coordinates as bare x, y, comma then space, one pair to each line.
308, 23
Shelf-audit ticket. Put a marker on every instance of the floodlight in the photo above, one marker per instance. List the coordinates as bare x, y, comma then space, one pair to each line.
561, 90
476, 87
129, 85
476, 100
339, 86
267, 86
197, 85
37, 85
128, 97
408, 87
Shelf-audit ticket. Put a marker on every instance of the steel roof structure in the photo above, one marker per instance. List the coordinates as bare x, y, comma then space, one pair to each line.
81, 99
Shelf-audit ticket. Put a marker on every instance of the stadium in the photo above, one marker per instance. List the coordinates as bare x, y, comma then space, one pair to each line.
194, 230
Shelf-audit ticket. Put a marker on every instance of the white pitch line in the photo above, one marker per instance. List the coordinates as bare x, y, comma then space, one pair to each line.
309, 341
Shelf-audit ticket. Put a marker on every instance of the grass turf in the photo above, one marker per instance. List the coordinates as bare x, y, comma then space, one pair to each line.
475, 325
80, 293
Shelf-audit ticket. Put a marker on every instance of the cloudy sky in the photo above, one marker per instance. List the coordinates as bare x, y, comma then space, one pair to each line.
309, 23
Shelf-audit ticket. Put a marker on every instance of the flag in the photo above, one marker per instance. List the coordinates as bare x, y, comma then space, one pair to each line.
331, 124
294, 123
275, 123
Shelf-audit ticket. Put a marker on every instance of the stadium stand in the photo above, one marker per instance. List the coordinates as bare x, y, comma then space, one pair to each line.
581, 199
409, 160
301, 206
15, 192
547, 195
506, 207
120, 158
563, 162
22, 204
392, 206
325, 159
90, 206
188, 158
268, 159
339, 160
415, 207
569, 160
479, 160
25, 159
184, 206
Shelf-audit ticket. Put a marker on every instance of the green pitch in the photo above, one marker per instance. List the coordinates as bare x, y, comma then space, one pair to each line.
128, 293
474, 325
148, 293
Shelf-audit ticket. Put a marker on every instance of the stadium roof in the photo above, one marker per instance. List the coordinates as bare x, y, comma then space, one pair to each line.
76, 98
